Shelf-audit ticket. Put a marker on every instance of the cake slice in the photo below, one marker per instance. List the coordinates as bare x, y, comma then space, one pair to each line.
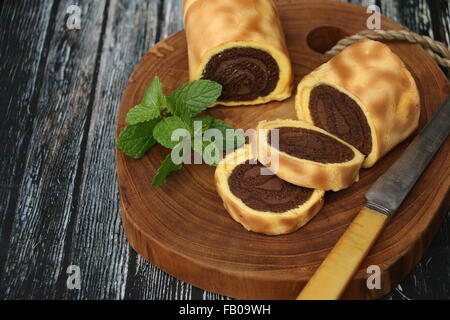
260, 202
365, 95
307, 156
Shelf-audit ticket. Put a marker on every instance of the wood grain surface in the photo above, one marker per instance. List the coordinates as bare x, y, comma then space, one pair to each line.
60, 91
183, 227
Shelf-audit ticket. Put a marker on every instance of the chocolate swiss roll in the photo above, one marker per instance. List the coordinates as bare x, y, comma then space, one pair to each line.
260, 202
241, 45
307, 156
365, 96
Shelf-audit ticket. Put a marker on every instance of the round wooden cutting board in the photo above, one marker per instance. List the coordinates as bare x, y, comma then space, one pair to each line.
183, 227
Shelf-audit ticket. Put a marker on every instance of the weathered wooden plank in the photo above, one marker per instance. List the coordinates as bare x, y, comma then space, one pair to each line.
151, 283
146, 281
364, 3
172, 19
430, 278
414, 14
390, 9
440, 20
43, 217
440, 17
26, 24
213, 296
99, 246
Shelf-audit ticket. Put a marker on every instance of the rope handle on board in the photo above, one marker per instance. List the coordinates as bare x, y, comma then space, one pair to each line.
438, 50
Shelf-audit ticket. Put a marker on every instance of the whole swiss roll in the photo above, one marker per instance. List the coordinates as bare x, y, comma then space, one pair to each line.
241, 45
365, 96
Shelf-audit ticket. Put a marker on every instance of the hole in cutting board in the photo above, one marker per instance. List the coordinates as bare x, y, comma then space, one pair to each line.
324, 38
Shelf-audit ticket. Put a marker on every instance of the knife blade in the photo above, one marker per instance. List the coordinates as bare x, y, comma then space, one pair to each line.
383, 200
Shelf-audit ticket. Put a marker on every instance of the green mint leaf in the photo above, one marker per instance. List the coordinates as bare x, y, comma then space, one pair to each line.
211, 149
166, 168
142, 113
164, 129
208, 150
201, 124
154, 96
136, 140
194, 97
211, 153
232, 138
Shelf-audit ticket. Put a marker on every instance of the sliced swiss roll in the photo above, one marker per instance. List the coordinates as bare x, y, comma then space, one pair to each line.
261, 201
307, 156
241, 45
365, 95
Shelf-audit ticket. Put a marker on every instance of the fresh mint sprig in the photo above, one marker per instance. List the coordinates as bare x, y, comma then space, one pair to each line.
158, 116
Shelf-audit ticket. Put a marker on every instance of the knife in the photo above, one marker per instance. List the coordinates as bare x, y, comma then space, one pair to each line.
383, 200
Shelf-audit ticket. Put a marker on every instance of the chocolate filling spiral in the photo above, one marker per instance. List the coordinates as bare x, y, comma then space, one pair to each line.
340, 115
312, 145
245, 73
265, 192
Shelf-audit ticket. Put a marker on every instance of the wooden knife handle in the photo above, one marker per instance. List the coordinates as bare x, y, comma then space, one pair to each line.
334, 274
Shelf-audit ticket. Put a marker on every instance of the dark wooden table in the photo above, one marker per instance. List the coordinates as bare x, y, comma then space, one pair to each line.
59, 94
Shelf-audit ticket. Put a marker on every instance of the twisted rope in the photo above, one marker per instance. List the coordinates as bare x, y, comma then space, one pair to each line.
438, 51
